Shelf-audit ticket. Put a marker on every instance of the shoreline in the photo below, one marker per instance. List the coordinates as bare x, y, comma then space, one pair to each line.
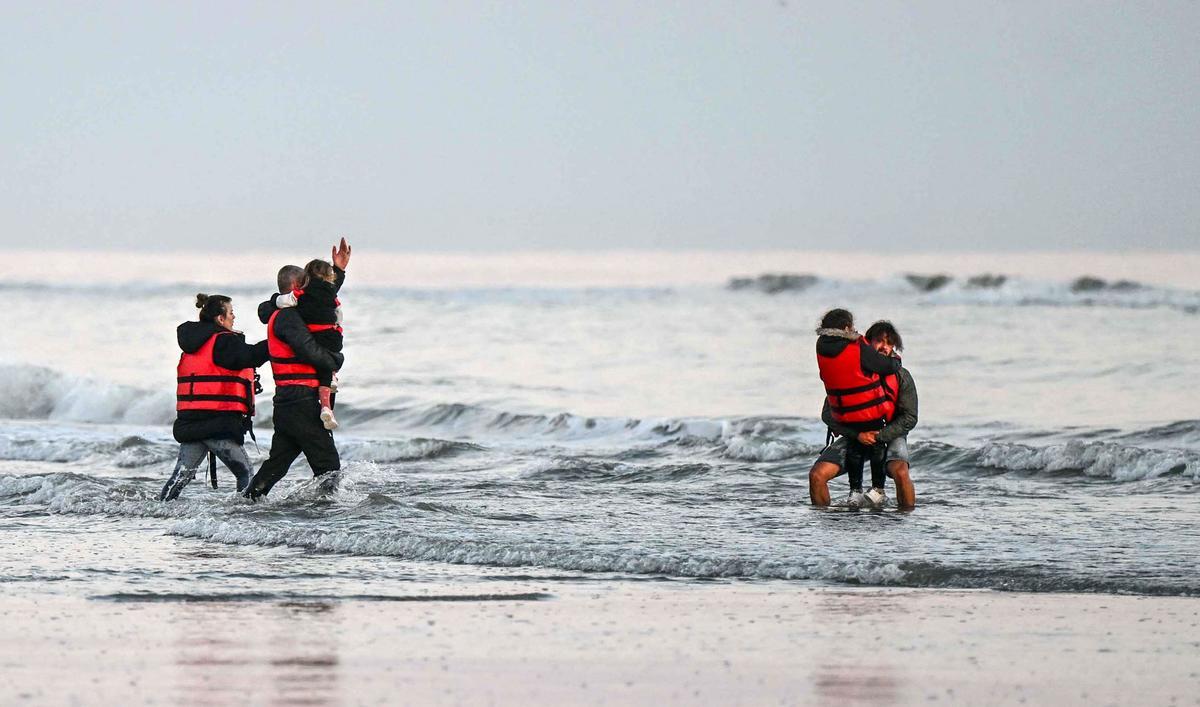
604, 642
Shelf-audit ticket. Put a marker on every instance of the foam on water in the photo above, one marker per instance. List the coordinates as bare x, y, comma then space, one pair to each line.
649, 427
37, 392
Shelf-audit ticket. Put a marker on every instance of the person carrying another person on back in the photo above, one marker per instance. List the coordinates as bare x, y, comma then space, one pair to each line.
215, 385
316, 300
857, 379
884, 338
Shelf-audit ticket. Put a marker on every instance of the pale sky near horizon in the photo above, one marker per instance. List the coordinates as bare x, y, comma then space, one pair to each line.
893, 126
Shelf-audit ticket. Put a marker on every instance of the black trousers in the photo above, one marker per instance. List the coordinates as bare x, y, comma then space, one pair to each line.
856, 454
298, 430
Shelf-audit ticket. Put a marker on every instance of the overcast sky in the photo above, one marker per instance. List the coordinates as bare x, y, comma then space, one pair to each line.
907, 126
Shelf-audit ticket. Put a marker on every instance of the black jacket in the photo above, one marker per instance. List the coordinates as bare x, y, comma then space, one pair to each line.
318, 304
231, 352
830, 345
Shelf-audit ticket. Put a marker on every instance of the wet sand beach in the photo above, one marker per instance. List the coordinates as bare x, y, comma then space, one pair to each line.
649, 642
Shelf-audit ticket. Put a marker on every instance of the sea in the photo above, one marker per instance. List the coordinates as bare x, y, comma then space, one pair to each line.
612, 416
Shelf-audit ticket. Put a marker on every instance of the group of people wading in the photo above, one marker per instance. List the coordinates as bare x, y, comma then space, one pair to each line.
870, 404
216, 382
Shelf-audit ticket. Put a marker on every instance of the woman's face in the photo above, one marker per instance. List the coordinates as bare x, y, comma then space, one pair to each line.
226, 320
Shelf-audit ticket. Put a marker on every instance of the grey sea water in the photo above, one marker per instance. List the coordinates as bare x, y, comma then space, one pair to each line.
616, 419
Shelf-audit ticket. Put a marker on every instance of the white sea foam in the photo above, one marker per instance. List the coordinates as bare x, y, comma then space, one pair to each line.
388, 451
36, 392
461, 551
1098, 459
750, 448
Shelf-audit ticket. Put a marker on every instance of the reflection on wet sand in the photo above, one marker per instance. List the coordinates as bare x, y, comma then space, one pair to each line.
849, 672
294, 642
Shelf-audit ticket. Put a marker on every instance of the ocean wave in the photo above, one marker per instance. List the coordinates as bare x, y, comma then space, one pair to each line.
401, 450
58, 446
483, 422
583, 469
307, 520
766, 449
39, 393
410, 546
1180, 433
1100, 460
979, 289
1014, 577
61, 445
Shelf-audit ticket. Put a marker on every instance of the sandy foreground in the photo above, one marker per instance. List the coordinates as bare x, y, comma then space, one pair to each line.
606, 643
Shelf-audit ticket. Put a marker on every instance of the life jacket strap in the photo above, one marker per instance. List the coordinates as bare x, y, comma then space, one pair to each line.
855, 408
860, 389
211, 398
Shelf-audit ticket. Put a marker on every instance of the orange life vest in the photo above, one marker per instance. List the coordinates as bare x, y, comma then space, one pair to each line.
200, 384
855, 397
285, 367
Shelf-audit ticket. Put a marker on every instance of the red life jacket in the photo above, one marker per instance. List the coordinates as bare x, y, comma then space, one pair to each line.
200, 384
855, 397
285, 367
891, 388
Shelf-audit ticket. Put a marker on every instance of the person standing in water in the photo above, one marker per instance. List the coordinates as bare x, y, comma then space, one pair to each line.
295, 359
856, 379
215, 385
885, 339
317, 302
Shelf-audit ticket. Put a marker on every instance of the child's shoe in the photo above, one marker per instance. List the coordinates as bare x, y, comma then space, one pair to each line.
875, 498
328, 419
333, 384
855, 500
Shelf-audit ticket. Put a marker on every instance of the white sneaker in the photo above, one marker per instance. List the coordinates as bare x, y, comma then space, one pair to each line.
333, 383
855, 500
328, 419
875, 498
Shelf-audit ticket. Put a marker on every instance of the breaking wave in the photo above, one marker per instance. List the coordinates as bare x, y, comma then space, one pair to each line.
981, 289
38, 393
410, 546
1099, 460
305, 520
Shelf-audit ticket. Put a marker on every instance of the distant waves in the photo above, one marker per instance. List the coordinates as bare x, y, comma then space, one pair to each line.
983, 289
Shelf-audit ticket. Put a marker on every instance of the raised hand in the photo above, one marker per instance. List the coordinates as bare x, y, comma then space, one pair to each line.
340, 254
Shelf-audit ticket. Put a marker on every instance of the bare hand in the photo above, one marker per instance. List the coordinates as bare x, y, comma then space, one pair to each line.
341, 255
868, 438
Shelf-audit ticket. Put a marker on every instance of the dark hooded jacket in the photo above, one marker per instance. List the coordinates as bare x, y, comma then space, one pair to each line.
230, 351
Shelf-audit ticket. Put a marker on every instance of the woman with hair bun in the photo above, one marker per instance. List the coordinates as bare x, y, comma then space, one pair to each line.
214, 393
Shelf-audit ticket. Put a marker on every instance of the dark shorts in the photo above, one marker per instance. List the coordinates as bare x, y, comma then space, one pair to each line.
835, 453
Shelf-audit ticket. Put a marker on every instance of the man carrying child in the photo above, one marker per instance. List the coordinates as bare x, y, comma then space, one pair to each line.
871, 403
301, 365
